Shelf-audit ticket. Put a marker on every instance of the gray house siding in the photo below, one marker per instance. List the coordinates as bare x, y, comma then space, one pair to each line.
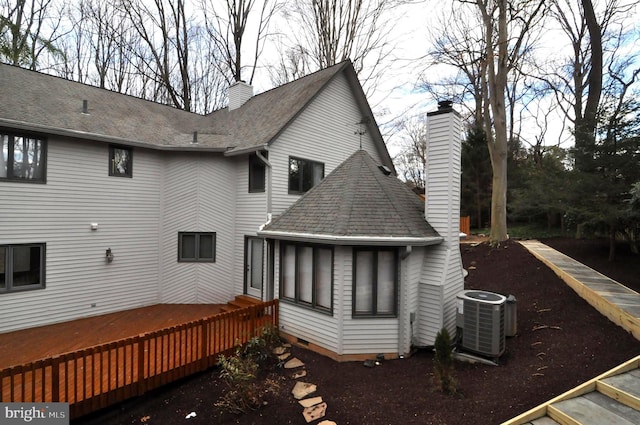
339, 333
361, 335
250, 214
411, 272
198, 196
314, 327
442, 272
323, 132
79, 192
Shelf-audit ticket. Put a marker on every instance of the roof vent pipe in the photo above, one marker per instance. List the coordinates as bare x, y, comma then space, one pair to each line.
85, 106
195, 138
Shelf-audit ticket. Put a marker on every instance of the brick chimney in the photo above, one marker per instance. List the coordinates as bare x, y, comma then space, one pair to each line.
442, 277
239, 93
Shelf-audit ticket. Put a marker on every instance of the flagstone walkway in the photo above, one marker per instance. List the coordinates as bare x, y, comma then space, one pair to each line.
314, 407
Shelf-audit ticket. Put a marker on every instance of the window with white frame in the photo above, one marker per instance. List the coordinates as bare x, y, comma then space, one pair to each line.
21, 267
375, 282
197, 247
22, 158
306, 275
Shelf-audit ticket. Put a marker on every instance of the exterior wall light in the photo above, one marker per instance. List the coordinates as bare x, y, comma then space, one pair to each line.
109, 255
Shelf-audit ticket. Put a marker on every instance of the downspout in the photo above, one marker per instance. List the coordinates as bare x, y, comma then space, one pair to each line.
266, 279
402, 316
266, 162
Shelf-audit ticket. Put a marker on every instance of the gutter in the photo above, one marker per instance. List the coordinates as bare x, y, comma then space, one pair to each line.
251, 149
351, 240
21, 125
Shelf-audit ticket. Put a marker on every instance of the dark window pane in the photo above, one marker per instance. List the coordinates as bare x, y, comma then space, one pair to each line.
206, 247
3, 269
304, 174
120, 162
188, 247
257, 171
22, 158
294, 175
26, 265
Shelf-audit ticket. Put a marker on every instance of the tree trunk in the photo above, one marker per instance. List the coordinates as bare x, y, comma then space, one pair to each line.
499, 196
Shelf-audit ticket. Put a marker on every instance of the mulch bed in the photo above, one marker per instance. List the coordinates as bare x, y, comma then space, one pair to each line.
577, 345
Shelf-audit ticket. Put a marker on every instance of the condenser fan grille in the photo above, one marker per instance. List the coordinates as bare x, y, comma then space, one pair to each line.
483, 325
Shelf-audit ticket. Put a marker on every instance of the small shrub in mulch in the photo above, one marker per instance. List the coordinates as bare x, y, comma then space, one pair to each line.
443, 363
246, 389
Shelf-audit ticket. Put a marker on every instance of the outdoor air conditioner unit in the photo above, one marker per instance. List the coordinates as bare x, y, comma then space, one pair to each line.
480, 322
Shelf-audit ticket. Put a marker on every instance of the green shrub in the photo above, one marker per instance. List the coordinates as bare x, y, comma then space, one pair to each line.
240, 373
443, 363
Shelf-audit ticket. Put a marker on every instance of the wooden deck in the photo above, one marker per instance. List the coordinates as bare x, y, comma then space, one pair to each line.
611, 398
95, 362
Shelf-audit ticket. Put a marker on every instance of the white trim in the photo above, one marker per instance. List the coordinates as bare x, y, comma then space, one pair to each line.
352, 240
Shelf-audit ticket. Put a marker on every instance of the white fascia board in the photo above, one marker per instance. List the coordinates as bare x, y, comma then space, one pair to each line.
250, 149
351, 240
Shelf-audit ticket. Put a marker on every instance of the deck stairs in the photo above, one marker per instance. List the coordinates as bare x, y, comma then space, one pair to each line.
611, 398
240, 301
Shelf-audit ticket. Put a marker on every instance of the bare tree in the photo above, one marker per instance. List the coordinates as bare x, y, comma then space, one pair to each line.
506, 26
227, 29
578, 83
411, 157
165, 31
331, 31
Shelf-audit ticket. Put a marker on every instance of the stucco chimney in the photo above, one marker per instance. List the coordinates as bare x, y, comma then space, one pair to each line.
442, 276
239, 93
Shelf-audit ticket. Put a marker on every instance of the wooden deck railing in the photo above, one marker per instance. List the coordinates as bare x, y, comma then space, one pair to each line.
93, 378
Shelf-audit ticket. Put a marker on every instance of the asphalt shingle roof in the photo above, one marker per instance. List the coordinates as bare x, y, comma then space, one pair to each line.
357, 199
39, 102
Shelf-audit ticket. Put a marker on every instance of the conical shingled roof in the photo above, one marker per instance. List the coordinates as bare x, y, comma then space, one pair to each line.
357, 204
